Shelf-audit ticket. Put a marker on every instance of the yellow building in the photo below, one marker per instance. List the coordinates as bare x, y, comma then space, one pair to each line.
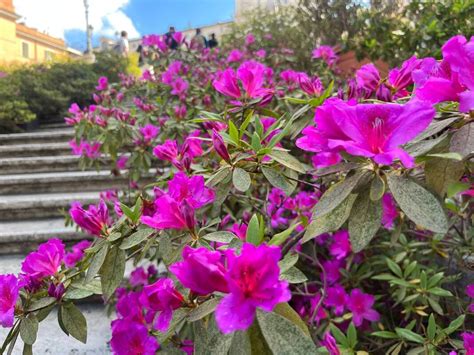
19, 43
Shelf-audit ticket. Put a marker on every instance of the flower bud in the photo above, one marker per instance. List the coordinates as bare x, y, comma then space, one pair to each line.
220, 146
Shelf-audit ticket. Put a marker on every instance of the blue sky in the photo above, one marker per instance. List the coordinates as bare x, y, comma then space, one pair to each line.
155, 16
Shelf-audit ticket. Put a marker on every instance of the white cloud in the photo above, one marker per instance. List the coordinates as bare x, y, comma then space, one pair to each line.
57, 16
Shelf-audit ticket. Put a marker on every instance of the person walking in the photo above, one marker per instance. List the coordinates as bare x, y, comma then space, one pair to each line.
212, 41
199, 40
170, 41
122, 45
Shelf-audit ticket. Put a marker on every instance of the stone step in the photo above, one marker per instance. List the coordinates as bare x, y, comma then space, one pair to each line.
18, 207
53, 125
24, 236
23, 165
52, 340
34, 150
76, 181
56, 136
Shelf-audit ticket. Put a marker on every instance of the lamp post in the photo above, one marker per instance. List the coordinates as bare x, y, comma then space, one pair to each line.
89, 54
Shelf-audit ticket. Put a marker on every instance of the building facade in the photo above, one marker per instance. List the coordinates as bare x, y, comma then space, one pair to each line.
22, 44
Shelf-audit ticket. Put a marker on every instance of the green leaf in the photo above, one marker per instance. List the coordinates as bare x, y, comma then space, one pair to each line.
455, 324
287, 160
234, 133
241, 179
112, 270
441, 173
450, 155
457, 187
385, 334
283, 336
394, 267
377, 188
255, 143
203, 309
438, 291
77, 293
293, 276
431, 327
280, 238
409, 335
285, 310
278, 180
220, 236
220, 176
434, 128
419, 148
29, 329
339, 335
337, 193
209, 340
136, 238
41, 303
96, 263
462, 141
287, 262
330, 222
73, 321
352, 336
418, 204
27, 349
364, 221
253, 231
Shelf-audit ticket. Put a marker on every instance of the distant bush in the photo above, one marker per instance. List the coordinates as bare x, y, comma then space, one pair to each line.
45, 91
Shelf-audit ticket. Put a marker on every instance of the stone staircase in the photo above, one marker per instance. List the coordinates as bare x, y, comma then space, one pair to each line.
38, 180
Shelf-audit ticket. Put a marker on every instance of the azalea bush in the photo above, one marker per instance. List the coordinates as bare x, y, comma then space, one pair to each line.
269, 210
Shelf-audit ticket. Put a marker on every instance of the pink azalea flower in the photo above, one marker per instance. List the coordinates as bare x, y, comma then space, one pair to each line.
9, 292
468, 338
253, 281
326, 53
240, 230
130, 337
45, 261
321, 313
122, 162
389, 211
234, 56
360, 304
164, 298
77, 148
180, 156
149, 132
138, 277
400, 79
71, 259
331, 269
179, 87
103, 84
201, 270
192, 189
227, 84
261, 53
373, 130
311, 86
249, 39
341, 245
330, 344
92, 150
95, 220
337, 297
368, 77
453, 79
325, 159
219, 146
170, 214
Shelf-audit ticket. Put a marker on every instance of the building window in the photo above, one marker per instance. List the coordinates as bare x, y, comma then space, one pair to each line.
48, 55
25, 50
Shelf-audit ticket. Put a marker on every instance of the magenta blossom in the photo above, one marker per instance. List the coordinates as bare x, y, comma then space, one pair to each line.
219, 146
373, 130
103, 84
71, 259
45, 261
149, 132
122, 162
164, 298
453, 78
95, 220
138, 277
9, 292
181, 156
389, 211
311, 86
253, 281
330, 344
360, 304
234, 56
468, 338
470, 293
341, 245
368, 77
326, 53
192, 189
400, 79
337, 297
249, 39
201, 270
129, 337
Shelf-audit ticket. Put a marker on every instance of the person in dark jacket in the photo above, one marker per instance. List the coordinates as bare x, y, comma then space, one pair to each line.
170, 41
212, 42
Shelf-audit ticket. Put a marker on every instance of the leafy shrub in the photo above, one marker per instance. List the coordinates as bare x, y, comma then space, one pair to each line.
272, 213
